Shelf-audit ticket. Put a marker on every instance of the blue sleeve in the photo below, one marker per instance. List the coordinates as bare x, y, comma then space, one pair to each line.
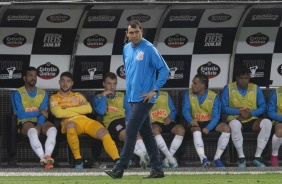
272, 107
19, 109
225, 103
126, 107
186, 112
215, 114
171, 106
43, 106
162, 68
100, 104
261, 104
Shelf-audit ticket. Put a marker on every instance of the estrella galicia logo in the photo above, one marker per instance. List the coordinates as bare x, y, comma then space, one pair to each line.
257, 40
120, 72
14, 40
221, 17
210, 69
176, 41
48, 71
265, 17
279, 69
95, 41
140, 17
58, 18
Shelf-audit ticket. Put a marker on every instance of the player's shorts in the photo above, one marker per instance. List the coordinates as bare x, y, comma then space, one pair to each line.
166, 128
84, 125
248, 126
274, 123
20, 125
203, 124
116, 127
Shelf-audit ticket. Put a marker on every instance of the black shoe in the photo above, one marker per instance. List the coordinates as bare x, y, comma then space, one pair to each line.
115, 173
155, 174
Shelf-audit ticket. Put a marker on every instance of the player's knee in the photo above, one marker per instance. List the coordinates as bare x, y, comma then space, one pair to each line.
226, 128
70, 125
266, 124
278, 132
235, 125
102, 132
179, 130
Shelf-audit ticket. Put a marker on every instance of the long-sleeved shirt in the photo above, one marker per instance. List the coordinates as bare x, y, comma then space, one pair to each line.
19, 109
261, 104
171, 106
71, 106
272, 107
100, 105
141, 65
186, 109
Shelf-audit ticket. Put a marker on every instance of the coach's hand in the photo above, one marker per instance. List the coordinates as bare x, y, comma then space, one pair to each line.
147, 96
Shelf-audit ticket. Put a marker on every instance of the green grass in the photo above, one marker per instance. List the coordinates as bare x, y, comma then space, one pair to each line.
134, 179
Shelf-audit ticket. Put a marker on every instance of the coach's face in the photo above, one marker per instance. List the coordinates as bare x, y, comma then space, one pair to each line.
134, 35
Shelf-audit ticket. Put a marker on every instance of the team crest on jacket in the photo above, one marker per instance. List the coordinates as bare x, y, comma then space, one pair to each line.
140, 56
210, 100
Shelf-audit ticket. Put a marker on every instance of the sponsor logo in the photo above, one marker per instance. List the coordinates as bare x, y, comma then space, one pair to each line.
112, 109
265, 17
213, 39
210, 69
233, 90
31, 109
189, 18
159, 113
121, 72
95, 41
279, 69
202, 116
91, 68
47, 71
173, 67
101, 18
20, 18
176, 41
58, 18
10, 67
140, 17
52, 40
14, 40
255, 67
219, 17
257, 40
139, 56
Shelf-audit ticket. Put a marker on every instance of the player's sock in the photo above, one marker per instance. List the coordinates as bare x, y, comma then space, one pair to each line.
73, 142
141, 145
175, 144
237, 137
138, 151
50, 141
221, 144
199, 144
35, 143
276, 143
162, 146
110, 146
263, 136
